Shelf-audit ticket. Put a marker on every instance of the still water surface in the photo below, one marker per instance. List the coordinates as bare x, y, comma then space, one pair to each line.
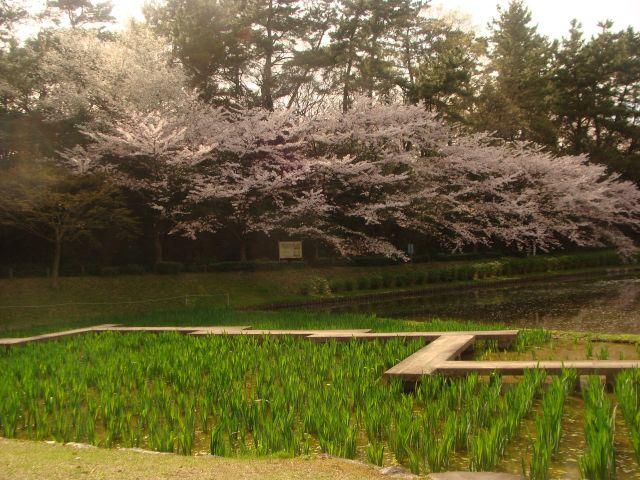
594, 305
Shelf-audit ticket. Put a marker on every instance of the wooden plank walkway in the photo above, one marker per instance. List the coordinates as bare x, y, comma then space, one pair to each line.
552, 367
427, 359
185, 330
294, 333
505, 337
8, 342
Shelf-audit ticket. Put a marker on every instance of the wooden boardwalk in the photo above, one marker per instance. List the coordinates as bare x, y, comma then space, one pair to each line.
439, 356
426, 360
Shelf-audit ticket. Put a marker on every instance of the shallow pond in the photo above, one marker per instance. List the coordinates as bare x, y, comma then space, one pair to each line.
594, 305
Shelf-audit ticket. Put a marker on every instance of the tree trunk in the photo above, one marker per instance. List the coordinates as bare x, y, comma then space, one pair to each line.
267, 80
267, 72
157, 247
243, 250
345, 89
55, 267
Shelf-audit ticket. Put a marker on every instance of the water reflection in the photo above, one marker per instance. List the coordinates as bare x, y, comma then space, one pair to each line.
587, 305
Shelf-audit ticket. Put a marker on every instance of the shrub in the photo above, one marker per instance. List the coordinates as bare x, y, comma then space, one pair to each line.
196, 268
464, 272
447, 274
169, 268
434, 276
403, 280
336, 286
375, 282
132, 269
419, 278
109, 271
255, 265
387, 280
487, 270
348, 285
364, 283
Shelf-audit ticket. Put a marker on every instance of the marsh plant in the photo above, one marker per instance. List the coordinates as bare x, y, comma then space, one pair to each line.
250, 396
598, 460
627, 390
549, 424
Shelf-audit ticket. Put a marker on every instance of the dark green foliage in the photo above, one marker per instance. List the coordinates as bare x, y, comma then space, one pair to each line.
169, 268
132, 269
364, 283
336, 286
419, 278
348, 285
254, 266
375, 282
109, 271
387, 280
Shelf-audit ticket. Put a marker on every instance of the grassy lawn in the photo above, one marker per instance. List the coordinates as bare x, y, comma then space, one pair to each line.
245, 289
29, 460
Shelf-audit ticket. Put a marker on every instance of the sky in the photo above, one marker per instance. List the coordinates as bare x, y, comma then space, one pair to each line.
551, 16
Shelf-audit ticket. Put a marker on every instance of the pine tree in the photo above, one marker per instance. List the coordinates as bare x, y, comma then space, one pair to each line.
515, 101
80, 13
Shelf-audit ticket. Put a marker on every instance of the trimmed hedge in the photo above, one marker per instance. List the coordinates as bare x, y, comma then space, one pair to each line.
169, 268
503, 267
253, 266
133, 269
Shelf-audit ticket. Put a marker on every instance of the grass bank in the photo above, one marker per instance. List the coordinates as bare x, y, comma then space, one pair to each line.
256, 319
85, 300
29, 460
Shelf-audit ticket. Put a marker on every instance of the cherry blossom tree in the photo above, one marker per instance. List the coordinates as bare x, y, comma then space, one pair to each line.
524, 197
251, 181
151, 155
347, 179
98, 79
396, 165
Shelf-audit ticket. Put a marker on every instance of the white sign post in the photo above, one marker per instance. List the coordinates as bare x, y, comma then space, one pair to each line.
290, 250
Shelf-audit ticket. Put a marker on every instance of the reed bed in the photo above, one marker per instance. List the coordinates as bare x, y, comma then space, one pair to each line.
487, 446
549, 424
247, 396
627, 390
598, 460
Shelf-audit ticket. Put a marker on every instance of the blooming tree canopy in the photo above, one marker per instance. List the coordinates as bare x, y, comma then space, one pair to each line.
345, 179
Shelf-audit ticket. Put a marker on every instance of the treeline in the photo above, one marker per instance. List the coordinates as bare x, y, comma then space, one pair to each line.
75, 90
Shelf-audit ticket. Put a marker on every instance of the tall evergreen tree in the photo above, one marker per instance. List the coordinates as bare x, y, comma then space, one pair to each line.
212, 40
515, 100
597, 97
439, 61
79, 13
